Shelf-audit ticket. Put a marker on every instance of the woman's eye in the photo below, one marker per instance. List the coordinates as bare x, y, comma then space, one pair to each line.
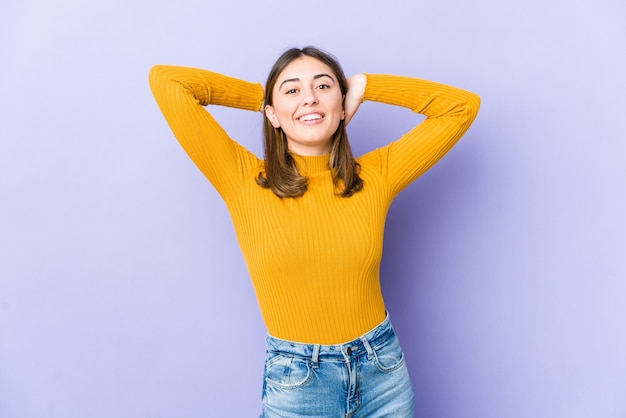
323, 86
291, 91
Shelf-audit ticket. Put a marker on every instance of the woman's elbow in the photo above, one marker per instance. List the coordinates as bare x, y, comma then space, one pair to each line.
472, 105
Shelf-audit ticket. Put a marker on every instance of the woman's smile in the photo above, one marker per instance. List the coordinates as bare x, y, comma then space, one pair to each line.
311, 117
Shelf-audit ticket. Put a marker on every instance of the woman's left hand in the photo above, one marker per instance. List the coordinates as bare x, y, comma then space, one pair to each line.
354, 97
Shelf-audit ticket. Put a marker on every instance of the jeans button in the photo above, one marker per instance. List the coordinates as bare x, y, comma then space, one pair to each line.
349, 351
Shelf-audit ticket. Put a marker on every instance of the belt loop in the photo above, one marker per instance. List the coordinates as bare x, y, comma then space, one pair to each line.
368, 348
315, 357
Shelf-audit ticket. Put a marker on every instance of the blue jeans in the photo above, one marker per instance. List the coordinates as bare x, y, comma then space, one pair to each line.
366, 377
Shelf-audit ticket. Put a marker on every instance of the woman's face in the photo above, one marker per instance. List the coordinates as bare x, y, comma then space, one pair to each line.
307, 105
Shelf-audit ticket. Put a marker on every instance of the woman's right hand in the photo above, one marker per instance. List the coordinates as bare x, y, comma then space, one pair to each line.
354, 97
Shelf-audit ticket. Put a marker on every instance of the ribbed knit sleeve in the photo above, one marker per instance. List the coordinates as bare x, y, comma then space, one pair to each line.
449, 112
181, 93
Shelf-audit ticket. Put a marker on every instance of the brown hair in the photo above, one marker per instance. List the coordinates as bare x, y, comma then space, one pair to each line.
281, 174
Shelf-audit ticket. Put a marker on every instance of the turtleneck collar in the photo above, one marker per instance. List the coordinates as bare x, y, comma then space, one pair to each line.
308, 165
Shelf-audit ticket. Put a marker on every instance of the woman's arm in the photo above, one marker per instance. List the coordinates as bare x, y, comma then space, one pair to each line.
449, 112
181, 93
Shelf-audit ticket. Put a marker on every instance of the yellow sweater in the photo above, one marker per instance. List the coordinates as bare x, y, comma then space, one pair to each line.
313, 260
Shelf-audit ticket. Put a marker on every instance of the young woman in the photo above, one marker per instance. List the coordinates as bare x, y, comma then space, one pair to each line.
309, 218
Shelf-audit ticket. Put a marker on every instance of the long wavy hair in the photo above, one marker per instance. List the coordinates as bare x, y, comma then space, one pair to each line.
281, 173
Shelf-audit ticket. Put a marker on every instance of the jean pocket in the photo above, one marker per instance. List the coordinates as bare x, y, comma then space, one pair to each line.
287, 372
388, 356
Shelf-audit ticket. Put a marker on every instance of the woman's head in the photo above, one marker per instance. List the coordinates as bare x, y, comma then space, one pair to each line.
304, 96
304, 100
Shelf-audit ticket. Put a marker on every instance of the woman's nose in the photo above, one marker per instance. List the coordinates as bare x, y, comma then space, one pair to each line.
310, 97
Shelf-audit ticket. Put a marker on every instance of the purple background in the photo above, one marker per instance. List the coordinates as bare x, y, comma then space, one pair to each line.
122, 289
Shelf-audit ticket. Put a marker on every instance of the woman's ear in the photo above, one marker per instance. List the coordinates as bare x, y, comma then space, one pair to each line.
271, 116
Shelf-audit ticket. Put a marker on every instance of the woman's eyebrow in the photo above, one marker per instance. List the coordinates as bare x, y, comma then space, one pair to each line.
315, 77
289, 80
